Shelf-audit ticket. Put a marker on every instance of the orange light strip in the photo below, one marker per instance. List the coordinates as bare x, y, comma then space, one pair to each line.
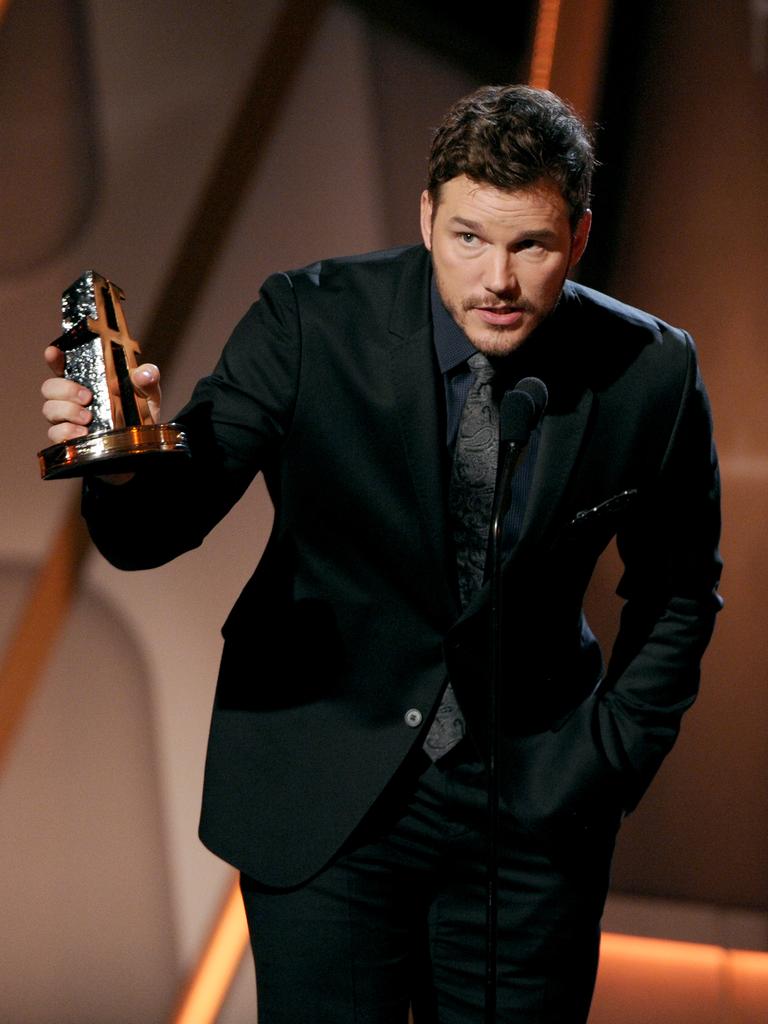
207, 989
729, 984
659, 953
544, 40
636, 949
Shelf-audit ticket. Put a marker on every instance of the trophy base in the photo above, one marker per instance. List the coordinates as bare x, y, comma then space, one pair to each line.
113, 451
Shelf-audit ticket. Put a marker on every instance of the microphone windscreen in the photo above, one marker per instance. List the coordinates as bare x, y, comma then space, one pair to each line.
521, 409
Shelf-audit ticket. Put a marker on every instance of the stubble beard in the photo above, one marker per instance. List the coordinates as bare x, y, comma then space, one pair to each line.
492, 339
496, 340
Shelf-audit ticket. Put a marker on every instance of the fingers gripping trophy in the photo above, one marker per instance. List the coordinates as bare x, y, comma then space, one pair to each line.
99, 353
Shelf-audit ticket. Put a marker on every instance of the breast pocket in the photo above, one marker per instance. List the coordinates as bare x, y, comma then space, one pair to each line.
606, 514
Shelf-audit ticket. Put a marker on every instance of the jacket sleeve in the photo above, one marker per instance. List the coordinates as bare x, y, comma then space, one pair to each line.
670, 580
236, 421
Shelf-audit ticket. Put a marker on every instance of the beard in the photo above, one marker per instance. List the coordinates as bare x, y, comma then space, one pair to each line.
496, 339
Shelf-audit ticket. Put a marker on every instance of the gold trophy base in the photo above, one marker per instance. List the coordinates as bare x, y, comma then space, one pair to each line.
113, 451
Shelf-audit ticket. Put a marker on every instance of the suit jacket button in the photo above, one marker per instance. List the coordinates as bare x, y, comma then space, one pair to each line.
413, 717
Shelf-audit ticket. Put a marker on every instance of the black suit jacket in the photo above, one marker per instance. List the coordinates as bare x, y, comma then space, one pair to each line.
329, 385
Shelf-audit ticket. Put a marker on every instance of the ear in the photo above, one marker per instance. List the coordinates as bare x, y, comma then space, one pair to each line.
580, 238
426, 219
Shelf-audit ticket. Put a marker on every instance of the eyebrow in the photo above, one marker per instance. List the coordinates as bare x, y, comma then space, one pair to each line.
473, 225
477, 228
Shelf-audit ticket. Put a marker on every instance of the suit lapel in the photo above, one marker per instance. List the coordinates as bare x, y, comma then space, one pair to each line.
562, 434
416, 385
559, 356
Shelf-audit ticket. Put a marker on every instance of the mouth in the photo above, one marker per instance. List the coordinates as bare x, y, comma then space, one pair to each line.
500, 316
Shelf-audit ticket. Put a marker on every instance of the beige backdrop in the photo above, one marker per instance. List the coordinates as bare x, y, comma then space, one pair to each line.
110, 116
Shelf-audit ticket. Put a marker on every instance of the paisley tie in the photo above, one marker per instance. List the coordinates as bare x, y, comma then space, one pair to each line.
470, 501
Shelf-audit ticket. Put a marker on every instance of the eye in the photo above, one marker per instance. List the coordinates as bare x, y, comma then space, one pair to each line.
468, 238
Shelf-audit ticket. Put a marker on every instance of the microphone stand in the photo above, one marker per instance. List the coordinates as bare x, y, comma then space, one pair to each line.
519, 412
509, 455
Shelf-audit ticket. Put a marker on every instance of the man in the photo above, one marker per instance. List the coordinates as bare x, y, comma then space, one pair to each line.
346, 766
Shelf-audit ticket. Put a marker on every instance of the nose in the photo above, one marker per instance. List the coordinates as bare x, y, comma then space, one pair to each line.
499, 275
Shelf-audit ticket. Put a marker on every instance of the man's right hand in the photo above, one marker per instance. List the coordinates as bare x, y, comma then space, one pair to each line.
66, 402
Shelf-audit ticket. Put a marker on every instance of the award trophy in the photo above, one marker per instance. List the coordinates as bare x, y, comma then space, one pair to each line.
100, 353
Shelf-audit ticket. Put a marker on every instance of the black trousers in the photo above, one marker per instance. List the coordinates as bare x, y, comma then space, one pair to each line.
398, 918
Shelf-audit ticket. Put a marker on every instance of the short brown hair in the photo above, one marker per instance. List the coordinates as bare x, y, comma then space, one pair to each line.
511, 136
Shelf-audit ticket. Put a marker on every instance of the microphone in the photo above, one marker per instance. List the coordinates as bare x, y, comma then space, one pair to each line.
520, 411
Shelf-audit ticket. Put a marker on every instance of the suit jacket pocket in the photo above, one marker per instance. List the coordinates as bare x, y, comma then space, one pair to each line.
611, 509
559, 779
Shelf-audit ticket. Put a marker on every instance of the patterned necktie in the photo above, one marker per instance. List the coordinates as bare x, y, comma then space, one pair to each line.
474, 478
473, 482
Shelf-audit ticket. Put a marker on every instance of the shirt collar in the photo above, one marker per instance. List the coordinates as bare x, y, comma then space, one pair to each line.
452, 346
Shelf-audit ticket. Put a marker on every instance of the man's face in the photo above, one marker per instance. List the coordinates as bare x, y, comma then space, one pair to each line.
500, 258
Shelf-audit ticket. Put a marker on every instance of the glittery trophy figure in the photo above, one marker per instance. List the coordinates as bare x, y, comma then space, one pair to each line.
100, 353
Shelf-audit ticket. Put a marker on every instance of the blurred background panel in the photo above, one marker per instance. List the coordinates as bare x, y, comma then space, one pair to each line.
681, 218
152, 143
49, 173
